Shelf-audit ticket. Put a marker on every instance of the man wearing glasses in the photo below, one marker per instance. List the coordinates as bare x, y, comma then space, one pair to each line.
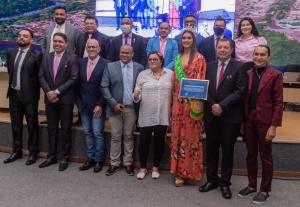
92, 104
208, 45
190, 22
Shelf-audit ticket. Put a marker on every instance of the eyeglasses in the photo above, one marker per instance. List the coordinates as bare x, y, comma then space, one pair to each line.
91, 47
153, 59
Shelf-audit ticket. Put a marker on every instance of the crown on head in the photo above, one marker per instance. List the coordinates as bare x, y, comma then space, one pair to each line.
191, 29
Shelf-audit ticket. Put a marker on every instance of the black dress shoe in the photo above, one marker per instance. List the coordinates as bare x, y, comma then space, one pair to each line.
48, 162
98, 167
87, 165
77, 123
129, 170
63, 165
44, 121
32, 159
208, 186
226, 192
14, 156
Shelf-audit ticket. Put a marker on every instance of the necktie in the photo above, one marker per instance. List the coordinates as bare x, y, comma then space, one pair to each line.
55, 66
163, 46
90, 70
85, 51
58, 28
220, 75
16, 69
126, 39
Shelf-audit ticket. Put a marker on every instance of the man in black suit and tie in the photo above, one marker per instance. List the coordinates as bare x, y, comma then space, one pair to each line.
91, 25
223, 115
208, 45
23, 65
92, 104
127, 37
58, 77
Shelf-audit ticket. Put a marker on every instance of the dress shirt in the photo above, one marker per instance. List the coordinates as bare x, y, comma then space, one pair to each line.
219, 69
95, 61
163, 7
215, 39
127, 73
62, 29
128, 39
155, 97
18, 86
244, 49
61, 54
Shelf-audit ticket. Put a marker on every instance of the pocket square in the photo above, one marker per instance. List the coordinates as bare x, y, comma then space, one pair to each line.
65, 66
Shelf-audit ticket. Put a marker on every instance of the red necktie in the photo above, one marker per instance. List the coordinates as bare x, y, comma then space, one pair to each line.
126, 39
220, 75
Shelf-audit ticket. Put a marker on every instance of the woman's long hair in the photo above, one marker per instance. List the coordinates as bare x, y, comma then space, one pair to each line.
193, 46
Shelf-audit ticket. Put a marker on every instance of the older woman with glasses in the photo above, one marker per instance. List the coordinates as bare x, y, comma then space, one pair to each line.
153, 89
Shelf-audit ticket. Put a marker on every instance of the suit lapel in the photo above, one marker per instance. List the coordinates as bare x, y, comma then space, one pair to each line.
119, 69
52, 64
133, 41
97, 67
28, 54
212, 42
63, 59
227, 70
84, 72
250, 74
167, 46
265, 79
135, 74
214, 78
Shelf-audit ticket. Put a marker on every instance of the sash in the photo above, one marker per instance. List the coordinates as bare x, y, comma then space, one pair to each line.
196, 111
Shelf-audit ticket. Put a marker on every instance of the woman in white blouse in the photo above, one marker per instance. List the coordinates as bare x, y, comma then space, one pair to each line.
153, 89
248, 39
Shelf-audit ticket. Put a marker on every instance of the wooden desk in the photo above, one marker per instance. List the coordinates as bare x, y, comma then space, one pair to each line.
291, 92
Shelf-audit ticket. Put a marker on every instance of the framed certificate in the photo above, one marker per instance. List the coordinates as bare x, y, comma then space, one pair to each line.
193, 88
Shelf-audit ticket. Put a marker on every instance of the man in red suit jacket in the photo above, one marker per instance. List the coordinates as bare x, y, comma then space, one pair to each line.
263, 113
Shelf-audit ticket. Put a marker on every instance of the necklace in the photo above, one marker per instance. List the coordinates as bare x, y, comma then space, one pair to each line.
259, 76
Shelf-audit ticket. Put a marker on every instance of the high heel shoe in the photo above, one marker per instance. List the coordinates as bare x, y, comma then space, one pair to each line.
179, 182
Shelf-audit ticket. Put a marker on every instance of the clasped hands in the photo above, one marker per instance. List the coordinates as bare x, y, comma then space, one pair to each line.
52, 96
216, 110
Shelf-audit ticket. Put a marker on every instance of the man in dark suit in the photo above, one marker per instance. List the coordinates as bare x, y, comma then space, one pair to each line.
191, 22
91, 25
184, 10
208, 44
92, 104
119, 6
223, 115
263, 114
117, 87
23, 65
127, 37
58, 77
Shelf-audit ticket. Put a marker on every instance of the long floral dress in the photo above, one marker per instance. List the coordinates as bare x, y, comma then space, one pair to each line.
186, 147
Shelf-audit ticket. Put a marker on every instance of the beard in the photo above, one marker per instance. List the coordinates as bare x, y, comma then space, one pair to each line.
23, 44
60, 23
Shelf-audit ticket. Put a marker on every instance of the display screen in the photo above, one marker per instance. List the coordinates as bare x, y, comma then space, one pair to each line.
148, 14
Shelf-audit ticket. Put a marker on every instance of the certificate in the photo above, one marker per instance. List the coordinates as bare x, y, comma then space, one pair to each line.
193, 88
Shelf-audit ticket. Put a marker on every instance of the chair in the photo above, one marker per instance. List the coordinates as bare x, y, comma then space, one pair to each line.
292, 68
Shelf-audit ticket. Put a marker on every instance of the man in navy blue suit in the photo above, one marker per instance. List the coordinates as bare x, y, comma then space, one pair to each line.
190, 21
208, 45
92, 104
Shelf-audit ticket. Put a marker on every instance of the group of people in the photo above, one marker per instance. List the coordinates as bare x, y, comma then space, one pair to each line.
108, 78
150, 13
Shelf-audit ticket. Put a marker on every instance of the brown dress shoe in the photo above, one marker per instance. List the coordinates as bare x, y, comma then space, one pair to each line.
129, 170
111, 170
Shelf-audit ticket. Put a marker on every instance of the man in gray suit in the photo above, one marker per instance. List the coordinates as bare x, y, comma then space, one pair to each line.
117, 87
60, 25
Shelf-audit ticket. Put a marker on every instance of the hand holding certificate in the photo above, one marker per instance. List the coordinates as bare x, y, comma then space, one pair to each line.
193, 88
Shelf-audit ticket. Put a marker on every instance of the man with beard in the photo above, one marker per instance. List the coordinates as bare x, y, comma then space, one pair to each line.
190, 21
60, 25
23, 65
58, 77
128, 38
167, 46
